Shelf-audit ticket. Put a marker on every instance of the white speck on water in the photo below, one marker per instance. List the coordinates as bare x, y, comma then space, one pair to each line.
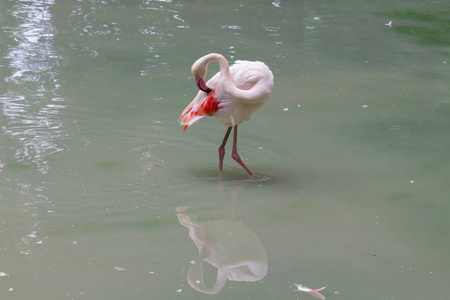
276, 3
389, 24
285, 109
316, 18
411, 181
298, 105
394, 127
365, 106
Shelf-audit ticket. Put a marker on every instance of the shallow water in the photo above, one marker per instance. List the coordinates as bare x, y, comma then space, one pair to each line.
99, 187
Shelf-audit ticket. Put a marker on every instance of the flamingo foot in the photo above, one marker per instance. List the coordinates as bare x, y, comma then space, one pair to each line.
238, 159
235, 155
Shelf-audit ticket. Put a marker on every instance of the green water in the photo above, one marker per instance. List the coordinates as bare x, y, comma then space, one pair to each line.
98, 186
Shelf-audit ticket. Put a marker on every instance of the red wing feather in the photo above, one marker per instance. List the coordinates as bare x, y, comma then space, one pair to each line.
210, 105
193, 113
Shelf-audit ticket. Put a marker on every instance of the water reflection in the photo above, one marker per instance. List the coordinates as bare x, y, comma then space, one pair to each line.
227, 245
31, 105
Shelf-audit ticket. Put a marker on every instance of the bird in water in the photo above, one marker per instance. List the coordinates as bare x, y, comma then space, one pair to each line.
231, 96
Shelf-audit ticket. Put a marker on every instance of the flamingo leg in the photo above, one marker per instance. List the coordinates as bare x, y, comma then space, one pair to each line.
234, 153
222, 148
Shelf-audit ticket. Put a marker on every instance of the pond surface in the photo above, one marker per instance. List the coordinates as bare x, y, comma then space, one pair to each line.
103, 197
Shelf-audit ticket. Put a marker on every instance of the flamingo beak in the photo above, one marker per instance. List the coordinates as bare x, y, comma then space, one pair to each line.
202, 85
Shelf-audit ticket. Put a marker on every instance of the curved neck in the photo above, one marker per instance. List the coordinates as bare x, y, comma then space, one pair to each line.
200, 67
254, 94
195, 278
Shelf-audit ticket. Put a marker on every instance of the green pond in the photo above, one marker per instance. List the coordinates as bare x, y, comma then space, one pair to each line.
103, 197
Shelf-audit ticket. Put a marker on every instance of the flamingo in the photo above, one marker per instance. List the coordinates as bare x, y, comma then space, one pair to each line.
231, 96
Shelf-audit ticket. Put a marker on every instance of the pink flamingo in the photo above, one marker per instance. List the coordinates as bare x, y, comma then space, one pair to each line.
231, 96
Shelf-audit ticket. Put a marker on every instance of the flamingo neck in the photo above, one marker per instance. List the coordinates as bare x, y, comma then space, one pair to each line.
200, 68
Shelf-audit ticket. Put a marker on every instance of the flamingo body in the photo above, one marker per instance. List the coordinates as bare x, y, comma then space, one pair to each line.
231, 95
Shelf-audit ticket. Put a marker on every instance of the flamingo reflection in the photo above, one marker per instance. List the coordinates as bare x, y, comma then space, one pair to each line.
227, 245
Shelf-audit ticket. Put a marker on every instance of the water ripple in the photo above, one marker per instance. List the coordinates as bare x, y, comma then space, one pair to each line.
32, 104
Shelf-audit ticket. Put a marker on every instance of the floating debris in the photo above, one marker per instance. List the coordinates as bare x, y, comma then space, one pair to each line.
312, 292
3, 274
389, 24
119, 268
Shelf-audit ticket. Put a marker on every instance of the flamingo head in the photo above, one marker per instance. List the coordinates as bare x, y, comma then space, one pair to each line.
201, 84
